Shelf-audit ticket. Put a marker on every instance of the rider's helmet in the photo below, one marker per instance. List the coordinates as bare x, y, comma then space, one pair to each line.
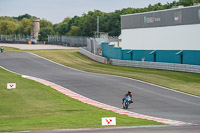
129, 92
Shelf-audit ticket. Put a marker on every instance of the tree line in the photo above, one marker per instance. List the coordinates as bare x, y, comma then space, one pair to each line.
84, 25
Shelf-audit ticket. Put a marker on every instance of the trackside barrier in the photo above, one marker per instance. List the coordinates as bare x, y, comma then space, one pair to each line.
158, 65
140, 64
93, 56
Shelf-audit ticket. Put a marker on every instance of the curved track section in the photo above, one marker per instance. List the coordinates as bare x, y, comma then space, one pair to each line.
149, 99
101, 105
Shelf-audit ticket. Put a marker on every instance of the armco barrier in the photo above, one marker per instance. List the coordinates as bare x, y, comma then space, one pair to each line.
158, 65
153, 65
93, 56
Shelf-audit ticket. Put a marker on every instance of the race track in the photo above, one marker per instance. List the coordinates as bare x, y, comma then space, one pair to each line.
149, 99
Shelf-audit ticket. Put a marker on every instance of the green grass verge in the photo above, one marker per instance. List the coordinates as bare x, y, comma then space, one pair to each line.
11, 49
33, 106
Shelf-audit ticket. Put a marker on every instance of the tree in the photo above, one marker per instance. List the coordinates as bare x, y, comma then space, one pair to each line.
45, 23
88, 22
62, 28
44, 32
196, 1
23, 16
8, 27
186, 2
66, 20
75, 31
26, 26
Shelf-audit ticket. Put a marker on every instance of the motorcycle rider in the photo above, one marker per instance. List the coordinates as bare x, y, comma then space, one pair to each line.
127, 94
2, 49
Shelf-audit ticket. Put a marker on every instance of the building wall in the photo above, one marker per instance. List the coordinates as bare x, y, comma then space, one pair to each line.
183, 37
173, 29
109, 51
166, 56
191, 57
143, 55
169, 36
126, 54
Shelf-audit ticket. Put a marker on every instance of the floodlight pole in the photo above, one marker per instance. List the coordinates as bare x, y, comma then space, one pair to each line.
97, 26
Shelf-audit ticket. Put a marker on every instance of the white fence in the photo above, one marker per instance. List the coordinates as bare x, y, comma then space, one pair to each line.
140, 64
14, 38
72, 41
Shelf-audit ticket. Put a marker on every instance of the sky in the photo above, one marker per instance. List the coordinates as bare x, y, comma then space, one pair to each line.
56, 10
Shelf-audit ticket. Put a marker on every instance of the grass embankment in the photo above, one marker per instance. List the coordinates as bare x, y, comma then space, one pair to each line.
185, 82
33, 106
11, 49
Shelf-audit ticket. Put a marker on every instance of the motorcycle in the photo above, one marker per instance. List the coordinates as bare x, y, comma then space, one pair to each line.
127, 102
2, 49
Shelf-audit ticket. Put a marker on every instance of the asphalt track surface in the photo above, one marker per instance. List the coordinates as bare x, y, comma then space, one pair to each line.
179, 129
148, 99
